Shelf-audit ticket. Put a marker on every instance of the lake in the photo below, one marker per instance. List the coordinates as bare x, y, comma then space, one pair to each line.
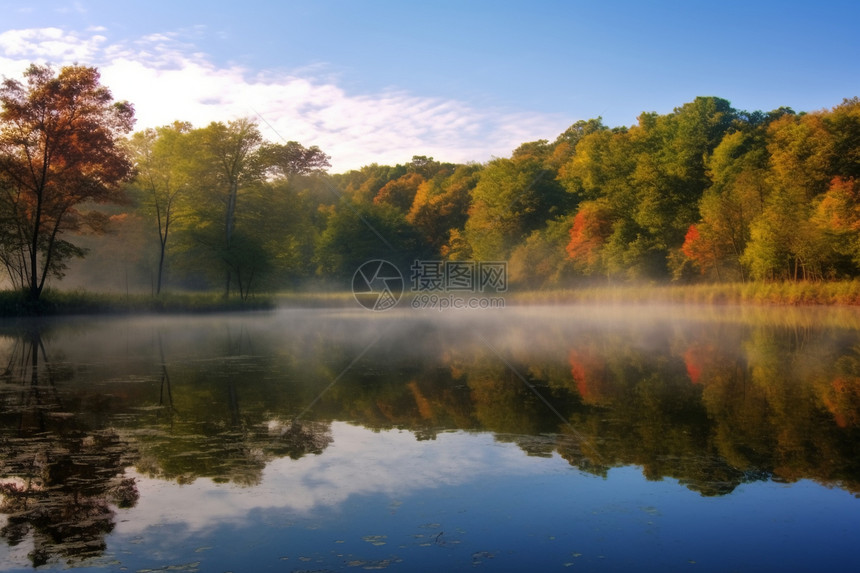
626, 438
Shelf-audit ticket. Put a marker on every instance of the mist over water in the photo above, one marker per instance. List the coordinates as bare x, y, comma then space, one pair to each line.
343, 438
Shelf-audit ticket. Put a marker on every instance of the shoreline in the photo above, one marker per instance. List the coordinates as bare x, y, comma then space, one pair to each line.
835, 294
14, 304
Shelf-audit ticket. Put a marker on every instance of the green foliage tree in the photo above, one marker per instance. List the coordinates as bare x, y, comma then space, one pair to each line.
163, 180
358, 232
650, 179
784, 243
249, 206
843, 124
428, 168
513, 197
230, 155
670, 174
738, 172
280, 222
600, 166
292, 159
541, 261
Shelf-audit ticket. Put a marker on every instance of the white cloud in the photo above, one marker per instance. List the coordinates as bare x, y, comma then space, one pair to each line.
359, 462
49, 44
168, 80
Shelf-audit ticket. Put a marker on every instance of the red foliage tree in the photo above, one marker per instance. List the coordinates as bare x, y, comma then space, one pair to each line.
699, 249
591, 226
59, 151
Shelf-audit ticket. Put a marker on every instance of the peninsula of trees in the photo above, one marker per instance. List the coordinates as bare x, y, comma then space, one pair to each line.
704, 193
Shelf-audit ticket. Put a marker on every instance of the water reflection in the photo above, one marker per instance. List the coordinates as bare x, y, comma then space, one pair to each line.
61, 477
712, 400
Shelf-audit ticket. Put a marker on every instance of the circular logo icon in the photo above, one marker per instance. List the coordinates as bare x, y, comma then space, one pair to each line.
377, 285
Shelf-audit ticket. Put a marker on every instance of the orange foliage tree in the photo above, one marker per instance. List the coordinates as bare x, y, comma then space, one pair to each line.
591, 227
400, 192
59, 152
839, 208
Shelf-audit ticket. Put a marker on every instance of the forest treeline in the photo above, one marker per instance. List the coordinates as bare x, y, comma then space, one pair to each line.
704, 193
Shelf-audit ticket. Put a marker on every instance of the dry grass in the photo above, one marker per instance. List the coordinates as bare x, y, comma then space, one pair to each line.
785, 293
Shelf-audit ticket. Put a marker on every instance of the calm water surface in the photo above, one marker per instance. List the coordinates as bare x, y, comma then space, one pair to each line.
568, 438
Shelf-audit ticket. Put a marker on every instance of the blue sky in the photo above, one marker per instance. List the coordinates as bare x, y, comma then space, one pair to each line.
380, 81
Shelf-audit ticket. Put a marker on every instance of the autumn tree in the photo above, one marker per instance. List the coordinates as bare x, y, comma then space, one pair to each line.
600, 177
837, 217
592, 225
59, 155
362, 185
702, 249
441, 205
737, 169
400, 193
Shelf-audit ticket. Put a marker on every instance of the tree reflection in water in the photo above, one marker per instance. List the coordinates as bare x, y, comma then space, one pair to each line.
712, 403
60, 481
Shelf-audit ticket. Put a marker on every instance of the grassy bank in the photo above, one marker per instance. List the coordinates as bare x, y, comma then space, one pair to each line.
841, 293
310, 299
838, 293
52, 303
784, 293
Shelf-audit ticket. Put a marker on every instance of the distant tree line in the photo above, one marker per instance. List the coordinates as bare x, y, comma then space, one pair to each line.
706, 192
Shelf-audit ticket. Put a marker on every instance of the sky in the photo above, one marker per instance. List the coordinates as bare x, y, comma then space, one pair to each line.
379, 81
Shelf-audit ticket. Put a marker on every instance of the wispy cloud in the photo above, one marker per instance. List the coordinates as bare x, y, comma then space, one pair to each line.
168, 79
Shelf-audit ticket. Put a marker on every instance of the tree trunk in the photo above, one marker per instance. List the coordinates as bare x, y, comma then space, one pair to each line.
34, 291
229, 223
160, 270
